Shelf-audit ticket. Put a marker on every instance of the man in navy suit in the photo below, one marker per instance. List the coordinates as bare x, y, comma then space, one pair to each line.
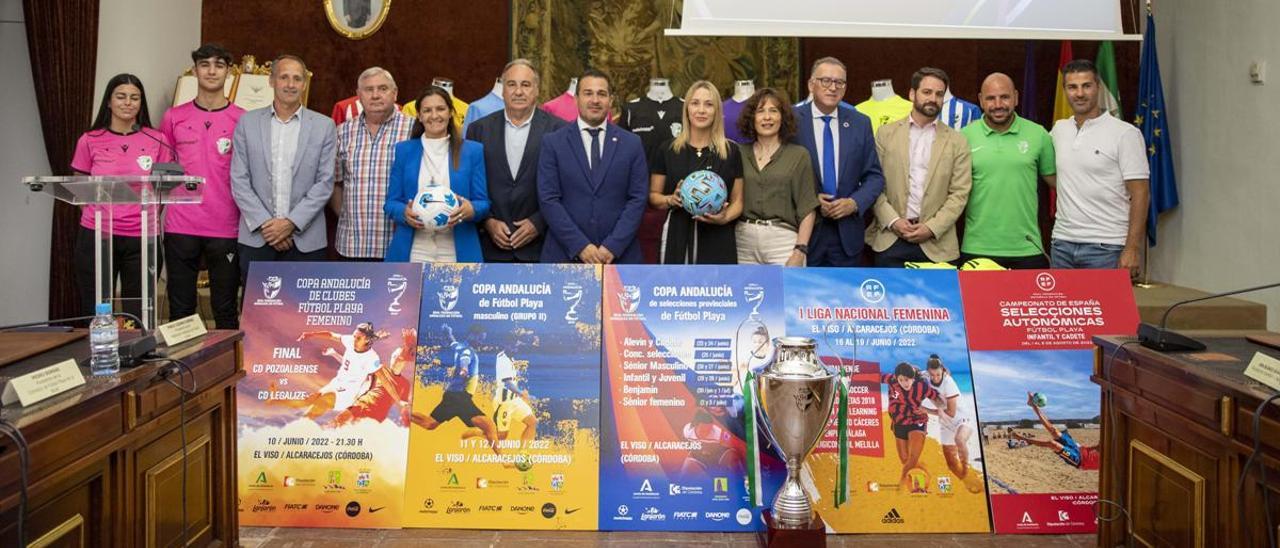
843, 151
512, 139
593, 183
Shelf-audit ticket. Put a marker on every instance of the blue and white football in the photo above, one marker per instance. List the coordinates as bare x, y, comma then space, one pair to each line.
703, 192
434, 205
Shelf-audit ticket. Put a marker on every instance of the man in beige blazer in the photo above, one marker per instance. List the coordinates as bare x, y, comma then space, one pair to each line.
927, 180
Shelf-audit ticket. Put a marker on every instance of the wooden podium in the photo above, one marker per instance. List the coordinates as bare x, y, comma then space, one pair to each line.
106, 458
1177, 430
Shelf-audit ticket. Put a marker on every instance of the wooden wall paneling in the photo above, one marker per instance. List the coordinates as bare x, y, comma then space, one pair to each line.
465, 40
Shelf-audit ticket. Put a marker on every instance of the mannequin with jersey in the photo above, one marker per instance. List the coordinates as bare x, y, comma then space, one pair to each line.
957, 112
564, 107
742, 90
884, 106
459, 106
484, 106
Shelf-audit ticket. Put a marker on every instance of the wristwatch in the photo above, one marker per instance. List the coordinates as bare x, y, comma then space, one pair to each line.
803, 249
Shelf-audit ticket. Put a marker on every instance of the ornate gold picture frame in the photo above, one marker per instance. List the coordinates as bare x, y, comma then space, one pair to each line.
356, 19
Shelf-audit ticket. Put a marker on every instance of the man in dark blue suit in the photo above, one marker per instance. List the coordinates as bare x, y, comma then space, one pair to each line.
843, 151
512, 139
593, 183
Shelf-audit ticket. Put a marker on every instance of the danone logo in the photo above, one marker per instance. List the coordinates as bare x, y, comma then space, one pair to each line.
893, 517
521, 509
716, 516
326, 508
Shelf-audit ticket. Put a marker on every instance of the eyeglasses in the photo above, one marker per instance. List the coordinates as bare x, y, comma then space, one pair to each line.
830, 83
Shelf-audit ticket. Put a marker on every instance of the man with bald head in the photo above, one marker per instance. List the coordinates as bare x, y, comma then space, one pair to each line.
1009, 155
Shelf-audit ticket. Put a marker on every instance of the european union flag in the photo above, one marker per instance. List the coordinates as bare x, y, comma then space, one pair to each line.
1154, 122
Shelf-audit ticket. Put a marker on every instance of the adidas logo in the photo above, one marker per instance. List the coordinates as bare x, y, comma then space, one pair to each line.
892, 517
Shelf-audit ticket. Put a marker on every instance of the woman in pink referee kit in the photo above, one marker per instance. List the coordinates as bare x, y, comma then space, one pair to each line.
121, 142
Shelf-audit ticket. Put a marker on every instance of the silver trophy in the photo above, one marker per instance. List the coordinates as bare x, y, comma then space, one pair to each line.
794, 396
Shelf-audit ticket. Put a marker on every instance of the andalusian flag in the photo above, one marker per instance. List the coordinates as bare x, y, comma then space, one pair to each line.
1061, 106
1109, 95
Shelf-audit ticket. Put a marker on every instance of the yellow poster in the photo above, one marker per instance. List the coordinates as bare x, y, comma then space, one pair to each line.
504, 430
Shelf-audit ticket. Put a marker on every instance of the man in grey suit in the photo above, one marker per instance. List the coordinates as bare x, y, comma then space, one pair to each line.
282, 173
512, 139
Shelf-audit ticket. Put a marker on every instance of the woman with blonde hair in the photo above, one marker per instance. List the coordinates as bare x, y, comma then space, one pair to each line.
700, 145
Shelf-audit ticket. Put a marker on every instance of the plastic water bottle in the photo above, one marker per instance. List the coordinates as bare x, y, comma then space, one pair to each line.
104, 342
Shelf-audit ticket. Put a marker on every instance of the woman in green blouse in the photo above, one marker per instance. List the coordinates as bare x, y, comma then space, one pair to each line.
779, 194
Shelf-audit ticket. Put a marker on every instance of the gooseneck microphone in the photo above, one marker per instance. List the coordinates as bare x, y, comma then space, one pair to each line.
1167, 340
1039, 248
162, 168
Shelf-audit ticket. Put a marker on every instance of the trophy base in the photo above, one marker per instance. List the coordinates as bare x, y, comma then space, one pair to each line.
775, 535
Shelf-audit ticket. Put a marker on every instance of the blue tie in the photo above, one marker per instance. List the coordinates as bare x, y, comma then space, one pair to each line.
595, 147
828, 157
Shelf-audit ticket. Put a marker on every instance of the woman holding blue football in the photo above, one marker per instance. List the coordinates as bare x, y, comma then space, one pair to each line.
437, 191
697, 179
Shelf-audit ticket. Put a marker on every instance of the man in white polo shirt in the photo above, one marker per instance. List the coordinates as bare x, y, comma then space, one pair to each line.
1102, 181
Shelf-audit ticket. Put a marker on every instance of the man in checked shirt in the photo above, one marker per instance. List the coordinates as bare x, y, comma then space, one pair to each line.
366, 148
907, 391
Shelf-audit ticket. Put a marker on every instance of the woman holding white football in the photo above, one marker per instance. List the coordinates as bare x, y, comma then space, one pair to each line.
700, 147
438, 191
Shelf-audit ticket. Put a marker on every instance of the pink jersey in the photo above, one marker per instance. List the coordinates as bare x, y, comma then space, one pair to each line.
564, 107
203, 140
104, 152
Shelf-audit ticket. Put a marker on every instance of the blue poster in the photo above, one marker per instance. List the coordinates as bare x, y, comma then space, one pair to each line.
915, 464
505, 427
678, 341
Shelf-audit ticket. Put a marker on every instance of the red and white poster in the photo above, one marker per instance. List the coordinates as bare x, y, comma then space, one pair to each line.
1030, 344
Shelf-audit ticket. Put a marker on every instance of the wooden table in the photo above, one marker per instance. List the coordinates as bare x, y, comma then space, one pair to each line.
1220, 313
1176, 434
106, 458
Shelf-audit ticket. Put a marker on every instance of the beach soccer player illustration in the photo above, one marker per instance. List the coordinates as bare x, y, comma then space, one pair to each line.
461, 382
355, 365
1084, 457
388, 387
512, 402
907, 391
953, 424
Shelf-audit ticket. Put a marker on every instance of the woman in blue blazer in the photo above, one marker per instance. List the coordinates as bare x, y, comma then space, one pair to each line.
437, 155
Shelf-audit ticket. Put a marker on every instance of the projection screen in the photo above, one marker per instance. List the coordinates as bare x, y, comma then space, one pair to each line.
991, 19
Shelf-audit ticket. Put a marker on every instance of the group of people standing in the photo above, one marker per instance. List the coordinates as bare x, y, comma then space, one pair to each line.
808, 184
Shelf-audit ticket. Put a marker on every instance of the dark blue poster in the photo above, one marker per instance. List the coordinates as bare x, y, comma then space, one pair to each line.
678, 342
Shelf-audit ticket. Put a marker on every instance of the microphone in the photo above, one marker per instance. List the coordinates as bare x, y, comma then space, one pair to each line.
1168, 340
1039, 248
162, 168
